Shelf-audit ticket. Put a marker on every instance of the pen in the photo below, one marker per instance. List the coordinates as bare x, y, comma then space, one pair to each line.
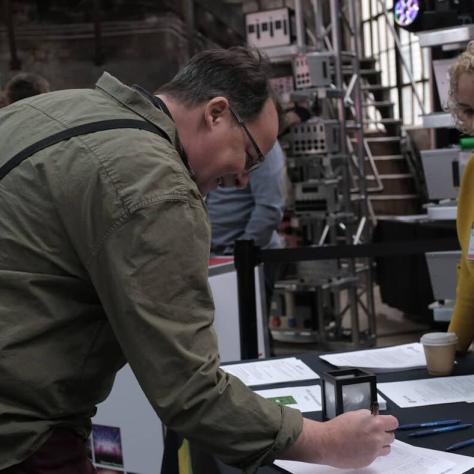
428, 424
374, 408
461, 444
444, 429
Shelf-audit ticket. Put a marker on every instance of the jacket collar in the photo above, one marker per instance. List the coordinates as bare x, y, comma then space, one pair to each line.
141, 102
137, 102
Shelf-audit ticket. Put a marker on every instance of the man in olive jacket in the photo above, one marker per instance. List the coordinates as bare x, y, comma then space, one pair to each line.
104, 242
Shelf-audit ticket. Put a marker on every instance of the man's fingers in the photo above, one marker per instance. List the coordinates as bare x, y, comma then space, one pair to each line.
391, 423
388, 438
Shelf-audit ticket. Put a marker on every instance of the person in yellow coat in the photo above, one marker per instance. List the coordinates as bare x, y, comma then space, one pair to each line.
461, 104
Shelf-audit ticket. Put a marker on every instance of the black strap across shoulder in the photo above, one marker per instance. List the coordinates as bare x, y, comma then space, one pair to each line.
84, 129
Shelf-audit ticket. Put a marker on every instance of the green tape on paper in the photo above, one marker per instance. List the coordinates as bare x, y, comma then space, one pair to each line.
287, 400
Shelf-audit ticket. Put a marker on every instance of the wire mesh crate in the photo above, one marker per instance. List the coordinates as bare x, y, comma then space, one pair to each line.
312, 70
317, 195
315, 136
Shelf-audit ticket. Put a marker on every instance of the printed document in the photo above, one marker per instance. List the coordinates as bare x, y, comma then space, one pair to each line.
386, 359
417, 393
303, 398
265, 372
403, 459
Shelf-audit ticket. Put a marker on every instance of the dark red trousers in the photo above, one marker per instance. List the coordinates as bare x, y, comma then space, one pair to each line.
63, 453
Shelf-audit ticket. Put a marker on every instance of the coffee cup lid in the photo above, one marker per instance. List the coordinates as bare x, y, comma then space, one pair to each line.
439, 338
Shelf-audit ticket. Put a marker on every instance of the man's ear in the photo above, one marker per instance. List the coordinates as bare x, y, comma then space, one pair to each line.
215, 110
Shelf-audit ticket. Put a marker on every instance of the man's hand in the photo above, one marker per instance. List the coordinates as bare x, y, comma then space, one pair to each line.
350, 440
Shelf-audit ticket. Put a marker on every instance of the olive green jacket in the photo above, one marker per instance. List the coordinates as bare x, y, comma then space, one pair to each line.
104, 241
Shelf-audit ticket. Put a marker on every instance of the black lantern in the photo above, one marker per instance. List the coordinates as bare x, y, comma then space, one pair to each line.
347, 389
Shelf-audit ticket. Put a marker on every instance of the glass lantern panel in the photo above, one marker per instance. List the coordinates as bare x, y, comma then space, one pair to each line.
356, 396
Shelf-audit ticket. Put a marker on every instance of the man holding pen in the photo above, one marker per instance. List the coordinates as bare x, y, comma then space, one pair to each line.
103, 261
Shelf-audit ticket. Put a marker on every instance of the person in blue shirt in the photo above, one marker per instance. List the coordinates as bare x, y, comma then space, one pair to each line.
251, 212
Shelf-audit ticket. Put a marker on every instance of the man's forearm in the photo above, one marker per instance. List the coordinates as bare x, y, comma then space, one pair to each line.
351, 440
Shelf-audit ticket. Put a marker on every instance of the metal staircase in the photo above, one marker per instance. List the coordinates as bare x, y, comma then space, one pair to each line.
392, 186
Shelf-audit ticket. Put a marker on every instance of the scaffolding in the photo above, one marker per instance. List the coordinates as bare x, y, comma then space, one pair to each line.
327, 163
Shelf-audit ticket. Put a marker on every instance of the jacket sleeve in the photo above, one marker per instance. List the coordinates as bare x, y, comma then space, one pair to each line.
151, 276
462, 320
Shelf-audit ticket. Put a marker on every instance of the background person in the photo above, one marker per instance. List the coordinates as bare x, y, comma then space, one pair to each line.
104, 260
254, 212
3, 100
251, 212
23, 85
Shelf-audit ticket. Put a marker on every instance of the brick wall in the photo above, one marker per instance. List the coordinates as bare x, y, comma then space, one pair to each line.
145, 52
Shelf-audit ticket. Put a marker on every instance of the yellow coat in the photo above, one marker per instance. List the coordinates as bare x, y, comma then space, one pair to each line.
462, 321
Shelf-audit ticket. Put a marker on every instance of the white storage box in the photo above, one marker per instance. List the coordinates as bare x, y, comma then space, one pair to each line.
269, 28
442, 172
443, 212
442, 312
443, 275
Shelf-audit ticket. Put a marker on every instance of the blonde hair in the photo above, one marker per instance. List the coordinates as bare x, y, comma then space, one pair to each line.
464, 64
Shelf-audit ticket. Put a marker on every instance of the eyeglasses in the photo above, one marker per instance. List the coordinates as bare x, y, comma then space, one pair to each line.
251, 163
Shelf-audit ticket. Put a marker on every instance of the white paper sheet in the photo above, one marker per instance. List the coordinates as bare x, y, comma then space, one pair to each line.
403, 459
417, 393
386, 359
265, 372
303, 398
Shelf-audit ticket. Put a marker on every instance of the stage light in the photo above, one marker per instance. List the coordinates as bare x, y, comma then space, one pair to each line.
407, 12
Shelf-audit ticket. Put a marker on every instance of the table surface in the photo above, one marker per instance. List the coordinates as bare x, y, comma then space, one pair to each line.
464, 411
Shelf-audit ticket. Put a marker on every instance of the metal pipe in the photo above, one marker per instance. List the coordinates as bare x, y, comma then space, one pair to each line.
299, 23
15, 62
354, 13
189, 19
336, 30
98, 53
318, 24
357, 100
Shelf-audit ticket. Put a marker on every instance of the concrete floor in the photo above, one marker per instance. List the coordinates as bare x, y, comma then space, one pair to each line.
393, 327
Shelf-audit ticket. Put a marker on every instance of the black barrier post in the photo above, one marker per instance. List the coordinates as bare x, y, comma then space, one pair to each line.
246, 259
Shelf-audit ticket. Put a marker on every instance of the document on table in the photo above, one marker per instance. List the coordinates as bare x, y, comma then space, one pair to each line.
303, 398
403, 459
265, 372
417, 393
386, 359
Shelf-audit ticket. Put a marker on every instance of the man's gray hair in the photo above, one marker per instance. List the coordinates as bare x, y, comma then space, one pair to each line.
239, 74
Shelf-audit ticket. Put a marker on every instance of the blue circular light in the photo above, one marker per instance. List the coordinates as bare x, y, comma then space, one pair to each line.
406, 11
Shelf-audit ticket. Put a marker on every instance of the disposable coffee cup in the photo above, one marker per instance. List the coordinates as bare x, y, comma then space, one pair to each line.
440, 351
